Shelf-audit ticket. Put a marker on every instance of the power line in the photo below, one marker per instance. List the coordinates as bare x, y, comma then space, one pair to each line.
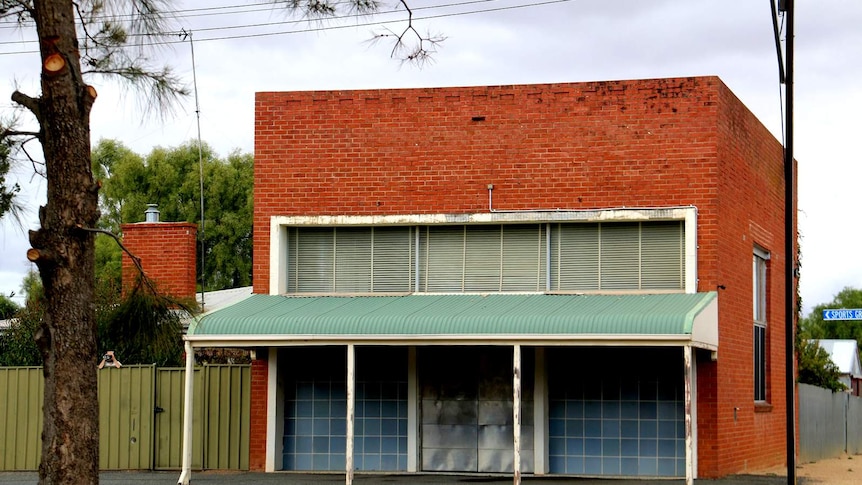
186, 14
206, 11
321, 28
380, 22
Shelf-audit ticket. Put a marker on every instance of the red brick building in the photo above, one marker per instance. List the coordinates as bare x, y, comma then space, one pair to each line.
617, 247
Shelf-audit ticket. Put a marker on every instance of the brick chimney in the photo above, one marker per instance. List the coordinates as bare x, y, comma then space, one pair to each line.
167, 251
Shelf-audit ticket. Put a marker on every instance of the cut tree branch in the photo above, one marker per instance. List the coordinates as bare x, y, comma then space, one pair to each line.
30, 103
135, 259
137, 262
30, 134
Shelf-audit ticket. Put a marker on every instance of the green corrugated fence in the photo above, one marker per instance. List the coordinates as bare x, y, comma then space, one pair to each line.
21, 390
222, 398
140, 417
126, 409
227, 436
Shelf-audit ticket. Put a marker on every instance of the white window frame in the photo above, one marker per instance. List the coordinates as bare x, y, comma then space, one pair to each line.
279, 225
760, 348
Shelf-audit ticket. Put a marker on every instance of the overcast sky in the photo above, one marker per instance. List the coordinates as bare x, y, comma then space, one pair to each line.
494, 42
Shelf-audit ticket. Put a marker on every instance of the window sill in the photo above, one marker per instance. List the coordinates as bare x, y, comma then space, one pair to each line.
762, 407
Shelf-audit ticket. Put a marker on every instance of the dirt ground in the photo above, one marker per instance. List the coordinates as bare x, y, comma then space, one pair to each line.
843, 470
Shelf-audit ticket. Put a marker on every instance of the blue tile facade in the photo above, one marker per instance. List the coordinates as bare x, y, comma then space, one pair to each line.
624, 417
381, 425
315, 421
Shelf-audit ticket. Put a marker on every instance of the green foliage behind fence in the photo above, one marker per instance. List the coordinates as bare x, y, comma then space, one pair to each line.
140, 417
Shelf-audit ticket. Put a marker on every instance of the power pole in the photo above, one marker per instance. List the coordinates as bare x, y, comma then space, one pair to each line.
787, 6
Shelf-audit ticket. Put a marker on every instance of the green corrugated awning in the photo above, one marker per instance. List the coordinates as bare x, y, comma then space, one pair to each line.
284, 320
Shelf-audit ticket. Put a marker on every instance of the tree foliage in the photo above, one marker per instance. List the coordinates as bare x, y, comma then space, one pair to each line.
815, 327
815, 367
18, 342
109, 265
170, 177
8, 308
144, 328
32, 288
8, 191
77, 41
109, 156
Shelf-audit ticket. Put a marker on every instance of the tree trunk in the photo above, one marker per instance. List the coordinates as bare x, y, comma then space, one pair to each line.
65, 254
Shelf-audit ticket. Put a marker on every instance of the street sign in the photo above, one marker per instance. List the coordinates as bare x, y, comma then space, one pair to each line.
843, 314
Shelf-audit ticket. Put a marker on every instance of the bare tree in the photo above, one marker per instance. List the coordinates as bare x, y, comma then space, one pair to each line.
62, 248
78, 39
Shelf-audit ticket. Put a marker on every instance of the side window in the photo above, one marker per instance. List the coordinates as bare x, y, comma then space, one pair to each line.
759, 285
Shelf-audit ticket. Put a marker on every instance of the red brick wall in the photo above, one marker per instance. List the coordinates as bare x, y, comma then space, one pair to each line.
750, 212
647, 143
257, 422
571, 146
167, 253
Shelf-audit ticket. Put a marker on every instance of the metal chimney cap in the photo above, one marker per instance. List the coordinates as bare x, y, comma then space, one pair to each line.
151, 214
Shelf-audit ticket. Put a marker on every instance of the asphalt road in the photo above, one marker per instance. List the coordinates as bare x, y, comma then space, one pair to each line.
243, 478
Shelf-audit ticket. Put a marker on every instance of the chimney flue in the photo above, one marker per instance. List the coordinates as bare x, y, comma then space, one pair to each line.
152, 214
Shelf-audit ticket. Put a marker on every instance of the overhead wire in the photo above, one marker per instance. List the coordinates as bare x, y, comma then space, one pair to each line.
219, 10
232, 9
185, 14
319, 28
379, 22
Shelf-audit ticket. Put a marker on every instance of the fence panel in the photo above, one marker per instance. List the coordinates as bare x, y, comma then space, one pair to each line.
854, 425
126, 409
21, 398
140, 417
821, 423
228, 409
170, 395
220, 422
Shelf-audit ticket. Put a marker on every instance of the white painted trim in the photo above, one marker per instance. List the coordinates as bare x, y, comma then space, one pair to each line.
704, 330
687, 379
273, 437
694, 413
228, 340
516, 413
351, 413
591, 215
691, 250
277, 258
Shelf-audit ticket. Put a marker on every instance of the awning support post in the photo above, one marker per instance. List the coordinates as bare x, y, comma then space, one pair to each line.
351, 406
689, 442
516, 409
412, 412
185, 476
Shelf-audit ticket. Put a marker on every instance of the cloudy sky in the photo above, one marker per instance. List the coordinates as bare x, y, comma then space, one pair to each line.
241, 47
